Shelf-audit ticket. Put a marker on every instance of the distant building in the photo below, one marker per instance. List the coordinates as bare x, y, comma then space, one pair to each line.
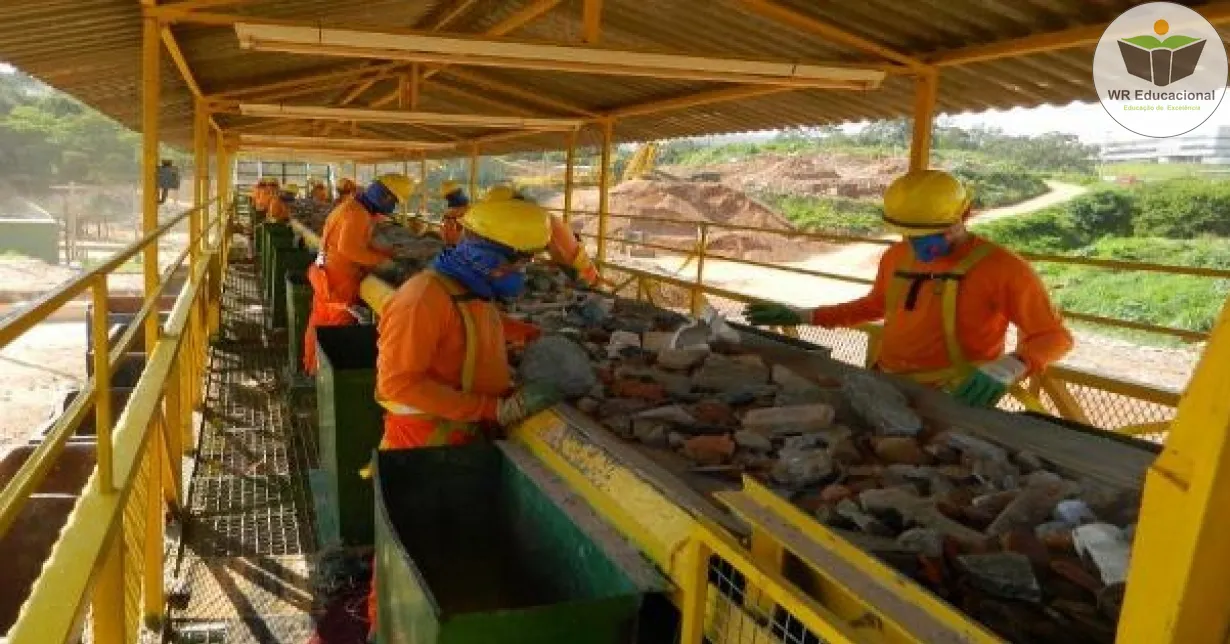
1210, 147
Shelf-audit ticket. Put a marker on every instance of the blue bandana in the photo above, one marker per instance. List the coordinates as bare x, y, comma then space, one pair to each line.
457, 199
471, 262
929, 248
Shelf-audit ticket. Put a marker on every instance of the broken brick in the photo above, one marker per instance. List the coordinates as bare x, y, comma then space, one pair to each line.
713, 412
1022, 541
835, 493
709, 450
900, 449
1072, 570
638, 389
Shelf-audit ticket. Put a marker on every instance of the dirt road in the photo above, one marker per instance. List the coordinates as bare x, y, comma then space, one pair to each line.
1060, 192
33, 370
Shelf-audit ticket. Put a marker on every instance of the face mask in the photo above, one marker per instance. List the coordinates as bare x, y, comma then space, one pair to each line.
929, 248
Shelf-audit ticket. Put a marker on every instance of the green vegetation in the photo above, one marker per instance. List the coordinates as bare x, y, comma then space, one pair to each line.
995, 188
1174, 222
47, 138
1155, 171
829, 214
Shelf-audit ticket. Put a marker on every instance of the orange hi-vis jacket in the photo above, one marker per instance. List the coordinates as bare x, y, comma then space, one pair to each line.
345, 250
567, 251
450, 225
442, 363
944, 316
278, 211
260, 198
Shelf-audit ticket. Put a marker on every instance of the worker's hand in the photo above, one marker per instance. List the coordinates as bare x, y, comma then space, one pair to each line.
528, 400
773, 314
991, 381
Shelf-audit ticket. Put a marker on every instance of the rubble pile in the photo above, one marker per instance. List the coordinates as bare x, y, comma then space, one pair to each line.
1034, 554
310, 212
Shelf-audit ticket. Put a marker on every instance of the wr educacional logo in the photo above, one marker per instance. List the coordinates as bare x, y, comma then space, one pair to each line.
1160, 69
1158, 61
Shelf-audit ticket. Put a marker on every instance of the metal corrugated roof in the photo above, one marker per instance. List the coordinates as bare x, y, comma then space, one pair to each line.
91, 49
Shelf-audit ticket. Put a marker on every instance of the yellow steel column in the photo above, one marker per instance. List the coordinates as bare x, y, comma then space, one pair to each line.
569, 164
926, 90
423, 184
99, 324
698, 291
604, 187
200, 163
151, 68
474, 172
405, 207
1177, 590
107, 597
154, 598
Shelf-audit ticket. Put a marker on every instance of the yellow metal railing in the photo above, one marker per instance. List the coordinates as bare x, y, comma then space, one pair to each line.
108, 558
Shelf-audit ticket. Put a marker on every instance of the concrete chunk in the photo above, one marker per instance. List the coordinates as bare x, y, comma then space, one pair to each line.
561, 362
799, 419
1002, 574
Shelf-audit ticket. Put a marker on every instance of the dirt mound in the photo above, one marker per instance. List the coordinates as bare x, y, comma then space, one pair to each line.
821, 175
676, 208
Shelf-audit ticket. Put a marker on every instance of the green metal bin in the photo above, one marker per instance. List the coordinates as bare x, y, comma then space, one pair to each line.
282, 261
273, 235
350, 425
472, 547
298, 308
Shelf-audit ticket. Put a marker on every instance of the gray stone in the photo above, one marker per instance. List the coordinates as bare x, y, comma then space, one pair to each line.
803, 467
850, 511
655, 340
559, 361
801, 419
1031, 507
621, 340
588, 405
790, 396
924, 541
745, 395
681, 359
652, 433
597, 392
917, 511
620, 425
788, 379
1003, 574
753, 441
593, 312
1028, 461
723, 374
676, 440
622, 407
673, 414
1074, 512
880, 405
1108, 549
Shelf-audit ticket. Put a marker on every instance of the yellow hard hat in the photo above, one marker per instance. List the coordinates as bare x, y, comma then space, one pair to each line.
521, 225
290, 187
449, 187
924, 202
500, 192
399, 185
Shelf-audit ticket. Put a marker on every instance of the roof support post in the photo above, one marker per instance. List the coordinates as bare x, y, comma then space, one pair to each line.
1182, 545
926, 91
604, 187
591, 21
474, 171
569, 164
405, 205
200, 165
423, 184
151, 83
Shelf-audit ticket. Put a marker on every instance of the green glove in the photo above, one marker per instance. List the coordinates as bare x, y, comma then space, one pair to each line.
773, 314
990, 382
526, 401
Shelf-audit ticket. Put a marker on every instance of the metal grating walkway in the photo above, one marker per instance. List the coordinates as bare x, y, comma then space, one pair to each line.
241, 573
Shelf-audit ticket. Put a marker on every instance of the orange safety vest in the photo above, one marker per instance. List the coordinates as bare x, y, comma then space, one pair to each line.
445, 428
905, 284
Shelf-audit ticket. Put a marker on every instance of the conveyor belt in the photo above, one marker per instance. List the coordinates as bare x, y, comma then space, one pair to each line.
242, 565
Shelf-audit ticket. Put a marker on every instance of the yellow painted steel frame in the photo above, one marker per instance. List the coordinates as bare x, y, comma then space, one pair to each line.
109, 555
1177, 589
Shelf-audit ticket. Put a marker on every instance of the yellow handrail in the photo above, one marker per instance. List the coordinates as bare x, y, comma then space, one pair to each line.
92, 543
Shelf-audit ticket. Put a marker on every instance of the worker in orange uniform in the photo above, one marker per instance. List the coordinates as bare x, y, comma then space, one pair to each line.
346, 188
320, 193
946, 297
567, 252
346, 255
458, 203
279, 208
442, 370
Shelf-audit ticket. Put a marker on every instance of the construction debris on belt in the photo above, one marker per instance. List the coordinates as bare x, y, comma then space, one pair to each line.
1031, 553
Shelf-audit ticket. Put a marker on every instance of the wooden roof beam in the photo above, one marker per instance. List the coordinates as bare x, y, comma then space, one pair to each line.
547, 56
266, 110
1216, 13
785, 15
687, 101
591, 21
316, 81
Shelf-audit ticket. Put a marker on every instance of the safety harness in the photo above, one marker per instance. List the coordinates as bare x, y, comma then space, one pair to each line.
906, 284
443, 427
